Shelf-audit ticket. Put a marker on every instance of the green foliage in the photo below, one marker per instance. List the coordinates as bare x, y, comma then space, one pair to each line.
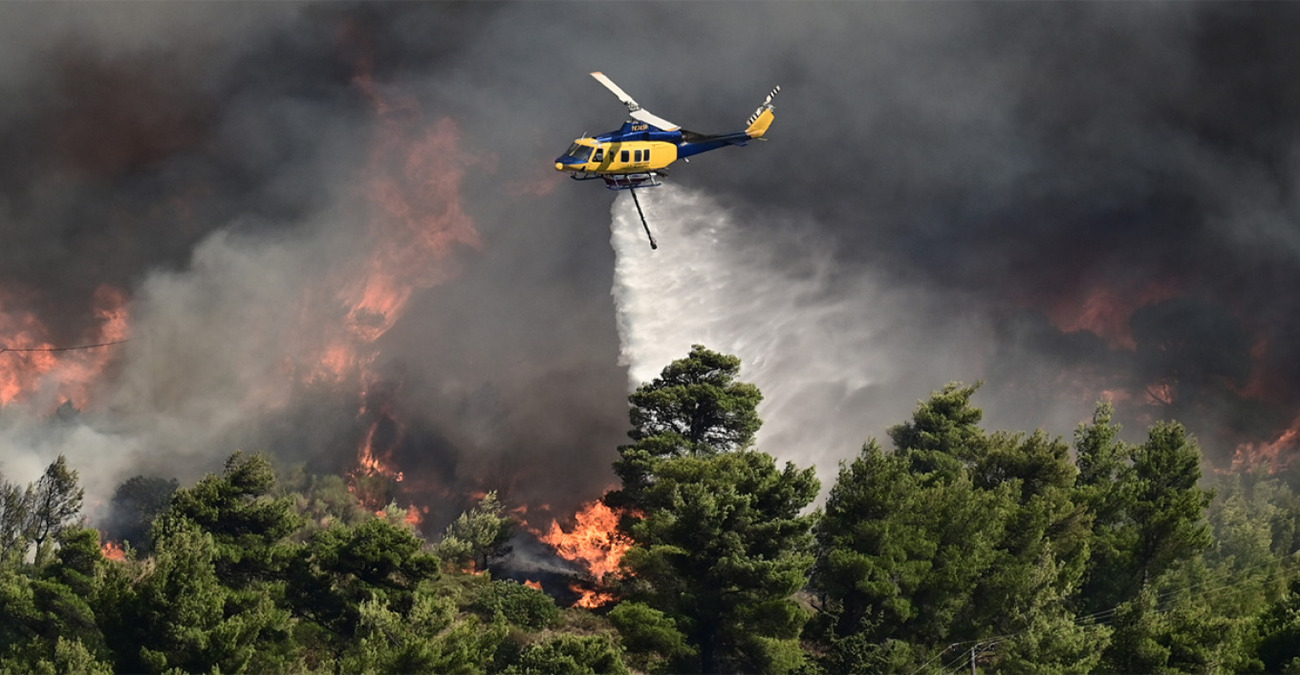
956, 536
186, 618
78, 558
697, 401
652, 640
246, 521
326, 500
943, 432
52, 502
570, 655
695, 407
13, 521
720, 544
477, 536
134, 506
427, 637
1278, 646
720, 549
516, 603
69, 655
957, 542
341, 567
1169, 507
34, 614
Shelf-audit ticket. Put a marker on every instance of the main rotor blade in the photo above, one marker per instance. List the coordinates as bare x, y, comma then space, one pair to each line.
623, 98
634, 109
653, 120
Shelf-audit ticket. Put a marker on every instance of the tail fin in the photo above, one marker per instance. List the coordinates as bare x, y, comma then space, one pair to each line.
762, 117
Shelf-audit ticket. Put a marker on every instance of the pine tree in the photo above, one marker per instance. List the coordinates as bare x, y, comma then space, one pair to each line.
720, 541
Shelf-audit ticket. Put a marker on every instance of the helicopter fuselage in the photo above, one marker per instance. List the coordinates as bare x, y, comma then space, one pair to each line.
638, 148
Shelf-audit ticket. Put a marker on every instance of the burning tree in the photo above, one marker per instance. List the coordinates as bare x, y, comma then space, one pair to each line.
719, 542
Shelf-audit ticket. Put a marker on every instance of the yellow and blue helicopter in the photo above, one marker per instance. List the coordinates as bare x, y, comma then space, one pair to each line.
636, 155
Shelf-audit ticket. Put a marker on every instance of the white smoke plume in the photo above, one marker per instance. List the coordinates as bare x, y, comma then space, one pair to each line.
820, 341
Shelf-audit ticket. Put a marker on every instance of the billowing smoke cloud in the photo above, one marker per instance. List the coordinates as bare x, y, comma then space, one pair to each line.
816, 338
1067, 201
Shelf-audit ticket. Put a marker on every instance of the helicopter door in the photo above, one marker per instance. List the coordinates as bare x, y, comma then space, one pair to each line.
599, 157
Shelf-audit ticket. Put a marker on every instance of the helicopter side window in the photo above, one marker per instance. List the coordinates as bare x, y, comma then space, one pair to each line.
622, 156
638, 155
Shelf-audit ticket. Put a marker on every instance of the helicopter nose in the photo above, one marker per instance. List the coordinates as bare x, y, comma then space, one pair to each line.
559, 166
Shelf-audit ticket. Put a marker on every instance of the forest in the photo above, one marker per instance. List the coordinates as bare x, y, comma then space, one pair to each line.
953, 549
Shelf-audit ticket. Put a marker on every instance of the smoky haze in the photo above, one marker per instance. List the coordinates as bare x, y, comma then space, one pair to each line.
1068, 202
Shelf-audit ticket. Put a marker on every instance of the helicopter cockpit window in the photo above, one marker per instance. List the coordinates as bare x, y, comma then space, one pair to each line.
599, 156
579, 152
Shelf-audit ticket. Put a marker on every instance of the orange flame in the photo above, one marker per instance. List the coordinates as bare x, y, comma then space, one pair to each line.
533, 584
415, 515
594, 540
1106, 311
113, 550
590, 598
32, 364
412, 184
1251, 455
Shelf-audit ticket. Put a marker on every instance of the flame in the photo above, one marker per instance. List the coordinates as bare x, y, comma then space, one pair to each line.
1264, 381
1274, 453
415, 515
591, 598
593, 542
533, 584
375, 456
411, 185
113, 550
31, 364
1106, 311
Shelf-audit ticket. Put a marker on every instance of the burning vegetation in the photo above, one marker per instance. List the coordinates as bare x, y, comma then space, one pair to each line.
197, 266
692, 563
593, 542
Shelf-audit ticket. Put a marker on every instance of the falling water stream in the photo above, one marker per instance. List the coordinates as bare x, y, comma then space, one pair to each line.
805, 337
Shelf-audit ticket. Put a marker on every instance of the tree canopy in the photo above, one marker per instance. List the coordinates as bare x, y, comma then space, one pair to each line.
955, 546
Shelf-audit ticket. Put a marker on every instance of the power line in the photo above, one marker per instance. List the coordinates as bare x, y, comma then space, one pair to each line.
61, 349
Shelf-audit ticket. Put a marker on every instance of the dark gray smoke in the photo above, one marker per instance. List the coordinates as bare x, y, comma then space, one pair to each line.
1067, 201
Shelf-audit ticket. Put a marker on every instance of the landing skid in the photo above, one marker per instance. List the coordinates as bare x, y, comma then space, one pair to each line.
632, 180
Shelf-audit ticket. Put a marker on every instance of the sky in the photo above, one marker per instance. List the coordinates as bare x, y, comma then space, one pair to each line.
322, 228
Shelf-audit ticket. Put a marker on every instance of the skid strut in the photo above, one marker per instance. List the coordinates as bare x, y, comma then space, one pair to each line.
653, 244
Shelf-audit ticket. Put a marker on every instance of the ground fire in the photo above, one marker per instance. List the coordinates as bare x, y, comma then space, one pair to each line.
594, 543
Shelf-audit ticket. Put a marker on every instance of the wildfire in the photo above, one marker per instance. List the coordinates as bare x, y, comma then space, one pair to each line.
410, 186
113, 550
1106, 311
533, 584
415, 515
1251, 455
593, 542
29, 363
591, 599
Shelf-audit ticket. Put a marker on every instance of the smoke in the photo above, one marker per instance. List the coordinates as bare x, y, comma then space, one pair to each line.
1069, 202
819, 340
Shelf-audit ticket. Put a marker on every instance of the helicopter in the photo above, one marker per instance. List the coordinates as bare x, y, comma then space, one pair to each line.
637, 154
